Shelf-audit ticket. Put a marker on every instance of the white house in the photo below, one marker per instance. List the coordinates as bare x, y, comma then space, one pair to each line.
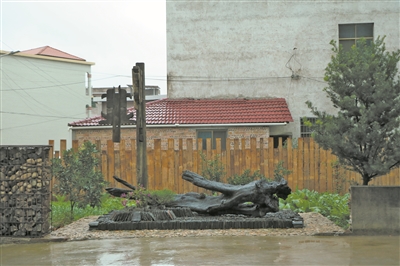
41, 91
262, 49
99, 104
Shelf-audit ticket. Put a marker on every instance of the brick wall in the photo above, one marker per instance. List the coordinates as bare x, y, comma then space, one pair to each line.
164, 134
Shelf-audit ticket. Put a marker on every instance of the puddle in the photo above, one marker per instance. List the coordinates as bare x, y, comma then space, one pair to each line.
213, 250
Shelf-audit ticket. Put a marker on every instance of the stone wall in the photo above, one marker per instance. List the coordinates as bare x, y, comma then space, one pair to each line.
24, 191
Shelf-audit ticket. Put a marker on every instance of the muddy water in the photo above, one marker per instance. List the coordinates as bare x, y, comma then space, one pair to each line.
344, 250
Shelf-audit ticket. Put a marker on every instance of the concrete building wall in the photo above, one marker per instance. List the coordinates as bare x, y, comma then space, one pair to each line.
375, 210
39, 97
226, 49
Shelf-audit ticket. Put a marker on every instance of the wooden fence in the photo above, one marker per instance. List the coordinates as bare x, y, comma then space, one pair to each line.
311, 167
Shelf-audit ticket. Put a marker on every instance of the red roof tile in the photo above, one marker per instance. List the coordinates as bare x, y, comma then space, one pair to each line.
50, 51
208, 111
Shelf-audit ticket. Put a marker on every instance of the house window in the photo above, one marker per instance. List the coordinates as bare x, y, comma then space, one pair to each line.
305, 131
213, 135
349, 34
276, 140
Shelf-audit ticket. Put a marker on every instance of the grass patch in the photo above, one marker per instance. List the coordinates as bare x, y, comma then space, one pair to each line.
61, 209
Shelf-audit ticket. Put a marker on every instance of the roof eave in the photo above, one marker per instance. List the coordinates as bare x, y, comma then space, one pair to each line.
185, 125
51, 58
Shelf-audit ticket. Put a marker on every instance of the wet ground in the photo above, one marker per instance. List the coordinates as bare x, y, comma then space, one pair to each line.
212, 250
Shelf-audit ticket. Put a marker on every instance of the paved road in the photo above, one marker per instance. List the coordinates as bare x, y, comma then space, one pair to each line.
251, 250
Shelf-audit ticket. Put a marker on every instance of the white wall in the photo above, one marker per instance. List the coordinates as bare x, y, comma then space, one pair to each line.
39, 98
227, 49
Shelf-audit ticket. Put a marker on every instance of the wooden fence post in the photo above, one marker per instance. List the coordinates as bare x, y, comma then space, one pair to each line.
310, 165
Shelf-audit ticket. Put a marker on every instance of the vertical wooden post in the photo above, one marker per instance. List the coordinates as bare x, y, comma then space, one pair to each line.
157, 182
171, 177
289, 150
255, 165
51, 157
300, 163
138, 78
228, 168
122, 159
271, 166
236, 158
110, 162
200, 163
75, 145
63, 147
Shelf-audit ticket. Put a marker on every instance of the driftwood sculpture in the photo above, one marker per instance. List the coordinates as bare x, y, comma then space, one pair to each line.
117, 192
253, 199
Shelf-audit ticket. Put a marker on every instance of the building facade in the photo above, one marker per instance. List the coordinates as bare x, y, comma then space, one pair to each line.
194, 119
41, 91
263, 49
99, 104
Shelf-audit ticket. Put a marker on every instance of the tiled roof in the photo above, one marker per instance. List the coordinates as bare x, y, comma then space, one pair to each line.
50, 51
208, 111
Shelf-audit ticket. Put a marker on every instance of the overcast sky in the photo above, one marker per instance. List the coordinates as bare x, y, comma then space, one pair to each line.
115, 35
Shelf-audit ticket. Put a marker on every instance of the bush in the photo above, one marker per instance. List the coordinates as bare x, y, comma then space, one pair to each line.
142, 197
212, 169
162, 197
331, 205
78, 177
280, 171
245, 178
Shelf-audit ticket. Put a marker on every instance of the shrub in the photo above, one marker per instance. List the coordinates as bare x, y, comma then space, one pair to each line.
212, 169
78, 177
142, 197
280, 171
162, 197
245, 178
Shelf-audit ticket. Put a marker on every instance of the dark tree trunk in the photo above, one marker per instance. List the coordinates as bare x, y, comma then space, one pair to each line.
366, 180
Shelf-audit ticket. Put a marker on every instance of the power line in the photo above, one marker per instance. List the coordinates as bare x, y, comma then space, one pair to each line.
52, 86
313, 79
52, 116
25, 125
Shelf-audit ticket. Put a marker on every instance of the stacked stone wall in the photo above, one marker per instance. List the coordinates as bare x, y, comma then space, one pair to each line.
24, 191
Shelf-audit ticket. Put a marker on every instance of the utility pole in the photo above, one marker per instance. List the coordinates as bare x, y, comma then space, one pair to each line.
138, 84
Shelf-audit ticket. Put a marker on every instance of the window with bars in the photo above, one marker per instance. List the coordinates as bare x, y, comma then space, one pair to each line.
213, 135
349, 34
305, 131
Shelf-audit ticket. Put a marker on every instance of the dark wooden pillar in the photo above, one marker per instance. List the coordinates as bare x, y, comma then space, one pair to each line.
138, 84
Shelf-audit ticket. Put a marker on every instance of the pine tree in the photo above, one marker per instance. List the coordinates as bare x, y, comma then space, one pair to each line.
363, 85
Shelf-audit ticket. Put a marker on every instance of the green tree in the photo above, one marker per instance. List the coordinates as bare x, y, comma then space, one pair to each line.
363, 84
78, 177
